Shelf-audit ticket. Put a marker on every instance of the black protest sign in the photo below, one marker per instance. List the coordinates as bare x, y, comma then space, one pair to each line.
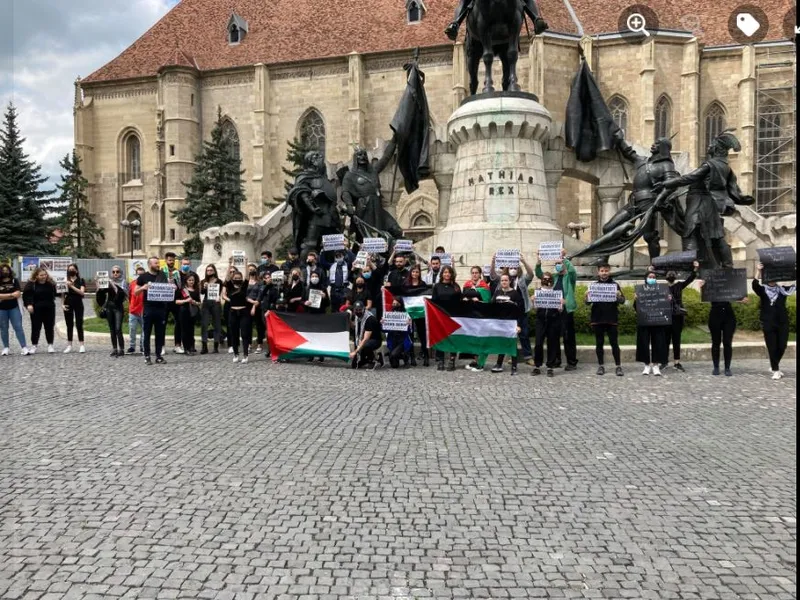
653, 306
675, 261
724, 285
780, 263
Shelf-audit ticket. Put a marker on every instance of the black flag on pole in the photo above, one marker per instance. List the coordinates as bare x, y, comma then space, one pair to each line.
411, 129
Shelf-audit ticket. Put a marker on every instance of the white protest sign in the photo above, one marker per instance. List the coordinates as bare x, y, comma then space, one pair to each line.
446, 259
507, 258
315, 298
395, 321
61, 287
487, 270
101, 277
239, 259
550, 250
135, 264
547, 298
212, 292
334, 241
160, 292
361, 260
278, 277
374, 245
404, 246
603, 292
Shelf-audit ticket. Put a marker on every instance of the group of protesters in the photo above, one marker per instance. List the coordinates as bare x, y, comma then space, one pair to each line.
231, 310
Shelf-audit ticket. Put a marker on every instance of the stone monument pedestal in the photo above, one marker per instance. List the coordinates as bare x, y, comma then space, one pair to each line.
499, 193
219, 243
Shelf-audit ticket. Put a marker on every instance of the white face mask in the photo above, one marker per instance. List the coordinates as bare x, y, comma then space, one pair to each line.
513, 272
315, 280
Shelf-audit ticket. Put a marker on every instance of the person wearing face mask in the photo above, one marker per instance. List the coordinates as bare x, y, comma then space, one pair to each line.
399, 343
174, 276
312, 266
565, 278
360, 293
651, 344
155, 313
39, 298
506, 292
316, 283
339, 278
374, 274
267, 300
113, 301
367, 334
72, 305
266, 265
675, 330
520, 280
446, 291
240, 328
604, 320
774, 318
548, 327
10, 292
254, 286
210, 310
189, 307
415, 286
186, 269
295, 292
135, 310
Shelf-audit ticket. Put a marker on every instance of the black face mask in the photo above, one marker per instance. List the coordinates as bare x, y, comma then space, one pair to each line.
237, 282
295, 277
670, 280
72, 272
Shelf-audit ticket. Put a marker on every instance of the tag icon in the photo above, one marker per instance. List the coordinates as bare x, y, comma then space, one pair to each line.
747, 24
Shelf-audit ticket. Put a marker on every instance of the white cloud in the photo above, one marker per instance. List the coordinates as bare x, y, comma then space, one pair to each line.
45, 45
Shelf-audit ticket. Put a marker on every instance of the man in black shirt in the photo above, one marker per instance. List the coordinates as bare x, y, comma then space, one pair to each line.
266, 265
368, 338
155, 313
293, 262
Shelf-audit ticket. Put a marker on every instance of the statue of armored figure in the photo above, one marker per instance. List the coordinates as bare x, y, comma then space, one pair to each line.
313, 203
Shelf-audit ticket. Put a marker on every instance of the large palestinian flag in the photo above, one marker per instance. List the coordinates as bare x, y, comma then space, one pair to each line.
295, 335
472, 327
415, 305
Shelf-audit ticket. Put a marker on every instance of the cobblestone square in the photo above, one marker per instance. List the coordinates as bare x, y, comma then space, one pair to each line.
204, 479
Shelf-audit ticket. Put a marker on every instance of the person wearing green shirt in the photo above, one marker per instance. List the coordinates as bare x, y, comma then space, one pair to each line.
564, 278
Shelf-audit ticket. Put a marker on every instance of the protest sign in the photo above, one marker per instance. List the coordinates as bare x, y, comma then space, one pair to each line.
29, 264
653, 306
603, 292
675, 261
212, 292
61, 287
446, 259
101, 277
334, 241
723, 285
507, 258
550, 250
547, 298
361, 259
315, 298
374, 245
239, 259
160, 292
487, 270
134, 264
278, 278
404, 246
395, 321
780, 263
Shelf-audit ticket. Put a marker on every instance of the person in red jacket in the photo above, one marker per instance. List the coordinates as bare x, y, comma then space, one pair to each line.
135, 311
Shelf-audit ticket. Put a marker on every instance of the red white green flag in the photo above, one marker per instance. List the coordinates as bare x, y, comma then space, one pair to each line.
472, 327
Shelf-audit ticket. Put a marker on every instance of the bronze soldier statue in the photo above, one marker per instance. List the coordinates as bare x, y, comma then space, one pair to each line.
313, 202
464, 6
722, 181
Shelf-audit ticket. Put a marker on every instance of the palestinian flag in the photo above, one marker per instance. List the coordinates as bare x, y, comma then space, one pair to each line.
415, 305
472, 327
301, 335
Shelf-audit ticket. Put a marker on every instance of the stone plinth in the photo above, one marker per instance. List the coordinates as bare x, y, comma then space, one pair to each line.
230, 237
499, 193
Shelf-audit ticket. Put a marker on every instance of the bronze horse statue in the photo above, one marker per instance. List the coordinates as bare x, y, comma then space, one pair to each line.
493, 29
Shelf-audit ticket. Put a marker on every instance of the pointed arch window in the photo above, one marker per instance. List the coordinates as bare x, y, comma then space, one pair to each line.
663, 117
421, 221
229, 132
714, 122
618, 107
414, 11
133, 158
312, 131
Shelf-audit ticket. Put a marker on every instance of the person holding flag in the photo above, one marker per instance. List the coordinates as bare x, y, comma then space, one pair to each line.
414, 291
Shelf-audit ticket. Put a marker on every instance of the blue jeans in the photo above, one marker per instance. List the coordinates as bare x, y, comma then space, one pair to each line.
14, 316
135, 322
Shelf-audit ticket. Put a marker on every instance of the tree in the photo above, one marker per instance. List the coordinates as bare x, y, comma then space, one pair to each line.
295, 156
23, 204
214, 196
81, 233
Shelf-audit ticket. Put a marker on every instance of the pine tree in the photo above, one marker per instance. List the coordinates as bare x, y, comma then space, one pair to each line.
295, 156
214, 196
81, 233
23, 204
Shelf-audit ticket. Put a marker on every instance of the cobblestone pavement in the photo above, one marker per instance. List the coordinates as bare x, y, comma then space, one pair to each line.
204, 479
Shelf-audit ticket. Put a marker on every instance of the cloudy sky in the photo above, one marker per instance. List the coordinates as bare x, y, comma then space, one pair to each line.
45, 45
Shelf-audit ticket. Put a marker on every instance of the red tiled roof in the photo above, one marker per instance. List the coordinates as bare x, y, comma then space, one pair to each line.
283, 31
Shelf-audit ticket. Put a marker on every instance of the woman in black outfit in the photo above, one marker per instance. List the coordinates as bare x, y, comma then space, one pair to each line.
39, 298
360, 293
253, 297
315, 283
506, 293
548, 329
188, 303
295, 292
651, 340
675, 330
774, 318
72, 305
447, 290
113, 301
240, 326
722, 324
211, 310
415, 286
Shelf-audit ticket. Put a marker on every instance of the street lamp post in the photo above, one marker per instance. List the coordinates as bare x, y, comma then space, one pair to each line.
133, 228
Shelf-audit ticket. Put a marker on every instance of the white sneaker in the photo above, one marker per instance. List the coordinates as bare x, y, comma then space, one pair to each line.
259, 350
26, 351
4, 352
68, 349
230, 350
50, 349
82, 349
656, 371
178, 350
244, 360
646, 370
776, 375
236, 358
31, 349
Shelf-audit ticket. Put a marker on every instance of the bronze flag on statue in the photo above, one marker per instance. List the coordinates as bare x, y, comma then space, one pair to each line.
589, 126
411, 126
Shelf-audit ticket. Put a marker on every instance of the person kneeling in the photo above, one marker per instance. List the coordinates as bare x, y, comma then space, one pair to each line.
399, 343
367, 338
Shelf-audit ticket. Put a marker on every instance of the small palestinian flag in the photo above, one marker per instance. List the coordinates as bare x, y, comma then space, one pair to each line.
415, 305
472, 327
300, 335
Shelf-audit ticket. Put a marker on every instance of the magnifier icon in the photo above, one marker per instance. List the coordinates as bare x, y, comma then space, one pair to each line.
637, 23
